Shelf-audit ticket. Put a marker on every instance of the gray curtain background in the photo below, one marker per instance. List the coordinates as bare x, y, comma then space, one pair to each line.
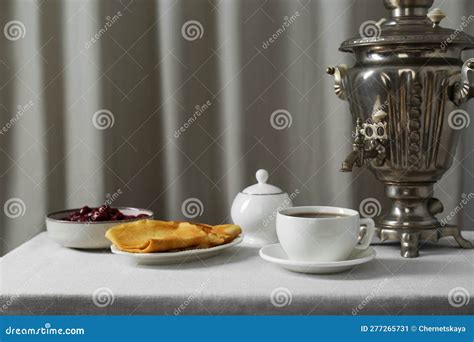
147, 79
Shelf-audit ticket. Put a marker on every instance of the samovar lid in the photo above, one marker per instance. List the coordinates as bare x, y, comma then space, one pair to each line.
410, 23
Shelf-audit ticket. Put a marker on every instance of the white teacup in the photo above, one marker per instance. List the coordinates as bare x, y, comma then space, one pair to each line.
322, 238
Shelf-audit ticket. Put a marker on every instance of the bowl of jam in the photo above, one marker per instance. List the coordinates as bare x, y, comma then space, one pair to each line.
85, 227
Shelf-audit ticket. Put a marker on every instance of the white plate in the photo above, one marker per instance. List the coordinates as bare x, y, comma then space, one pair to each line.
275, 254
166, 258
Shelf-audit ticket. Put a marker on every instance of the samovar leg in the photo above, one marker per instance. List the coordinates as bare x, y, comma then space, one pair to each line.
455, 232
410, 239
409, 244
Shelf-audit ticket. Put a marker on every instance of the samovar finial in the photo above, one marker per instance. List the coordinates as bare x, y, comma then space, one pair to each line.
405, 8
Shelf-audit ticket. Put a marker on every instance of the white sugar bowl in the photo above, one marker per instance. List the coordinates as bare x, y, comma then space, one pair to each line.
254, 209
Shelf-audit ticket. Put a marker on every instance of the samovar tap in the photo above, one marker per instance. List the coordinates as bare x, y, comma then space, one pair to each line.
369, 144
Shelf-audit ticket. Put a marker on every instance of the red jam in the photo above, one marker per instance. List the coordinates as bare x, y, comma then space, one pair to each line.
102, 213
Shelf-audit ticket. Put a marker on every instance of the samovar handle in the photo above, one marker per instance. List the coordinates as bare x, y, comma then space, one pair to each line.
339, 73
464, 90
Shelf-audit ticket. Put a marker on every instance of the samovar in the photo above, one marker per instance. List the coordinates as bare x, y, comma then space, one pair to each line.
406, 91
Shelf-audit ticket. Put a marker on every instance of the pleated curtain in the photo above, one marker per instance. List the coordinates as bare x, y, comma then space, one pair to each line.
174, 105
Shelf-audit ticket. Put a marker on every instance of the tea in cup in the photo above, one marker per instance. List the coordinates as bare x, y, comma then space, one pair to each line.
322, 234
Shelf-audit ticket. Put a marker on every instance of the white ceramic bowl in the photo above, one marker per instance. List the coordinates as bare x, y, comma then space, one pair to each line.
256, 214
255, 209
88, 235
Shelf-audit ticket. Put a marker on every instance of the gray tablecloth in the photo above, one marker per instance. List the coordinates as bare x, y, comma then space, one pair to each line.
41, 277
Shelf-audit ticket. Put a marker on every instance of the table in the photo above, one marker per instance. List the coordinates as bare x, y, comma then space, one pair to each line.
41, 277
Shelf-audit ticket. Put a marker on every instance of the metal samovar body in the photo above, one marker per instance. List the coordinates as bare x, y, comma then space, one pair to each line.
406, 93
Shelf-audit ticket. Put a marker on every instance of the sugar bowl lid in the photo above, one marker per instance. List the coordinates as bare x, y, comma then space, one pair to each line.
262, 187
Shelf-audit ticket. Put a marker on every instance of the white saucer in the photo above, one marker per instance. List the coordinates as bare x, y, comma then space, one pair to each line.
275, 254
167, 258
